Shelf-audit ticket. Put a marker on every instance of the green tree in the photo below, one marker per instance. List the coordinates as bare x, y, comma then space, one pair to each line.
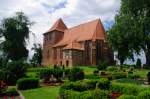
131, 28
37, 56
15, 31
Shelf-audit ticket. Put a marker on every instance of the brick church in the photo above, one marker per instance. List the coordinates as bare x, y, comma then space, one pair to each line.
81, 45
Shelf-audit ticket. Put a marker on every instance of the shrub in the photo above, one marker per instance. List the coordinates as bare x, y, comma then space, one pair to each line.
127, 97
133, 76
95, 72
145, 66
138, 63
144, 95
45, 74
13, 71
118, 75
127, 80
99, 94
92, 94
11, 92
58, 73
129, 89
91, 84
103, 83
112, 68
148, 77
27, 83
76, 74
102, 64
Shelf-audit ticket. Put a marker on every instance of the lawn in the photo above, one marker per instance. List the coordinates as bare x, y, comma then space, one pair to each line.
41, 93
88, 69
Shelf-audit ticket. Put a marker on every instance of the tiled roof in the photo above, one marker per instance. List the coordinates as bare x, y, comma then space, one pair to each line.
88, 31
74, 45
59, 25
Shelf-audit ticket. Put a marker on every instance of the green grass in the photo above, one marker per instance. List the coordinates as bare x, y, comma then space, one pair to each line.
88, 69
41, 93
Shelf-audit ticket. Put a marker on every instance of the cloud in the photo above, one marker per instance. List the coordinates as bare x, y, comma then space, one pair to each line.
45, 12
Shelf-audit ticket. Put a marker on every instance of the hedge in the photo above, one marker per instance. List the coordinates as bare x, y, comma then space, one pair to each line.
92, 94
27, 83
127, 97
104, 83
128, 89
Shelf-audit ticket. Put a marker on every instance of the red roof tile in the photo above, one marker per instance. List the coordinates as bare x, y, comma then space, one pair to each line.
59, 25
88, 31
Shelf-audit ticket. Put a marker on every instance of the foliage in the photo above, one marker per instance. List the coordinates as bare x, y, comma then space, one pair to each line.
104, 83
112, 68
144, 95
118, 75
47, 73
76, 74
127, 97
15, 31
27, 83
148, 77
129, 81
133, 76
102, 64
95, 72
37, 56
92, 94
131, 29
11, 92
138, 63
129, 89
13, 71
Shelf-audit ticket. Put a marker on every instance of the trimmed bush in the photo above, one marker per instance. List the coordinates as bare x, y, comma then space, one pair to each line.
129, 89
92, 94
119, 75
112, 68
27, 83
127, 97
144, 95
103, 83
99, 94
45, 74
11, 92
130, 81
76, 74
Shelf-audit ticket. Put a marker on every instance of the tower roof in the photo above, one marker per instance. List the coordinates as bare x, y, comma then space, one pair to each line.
58, 25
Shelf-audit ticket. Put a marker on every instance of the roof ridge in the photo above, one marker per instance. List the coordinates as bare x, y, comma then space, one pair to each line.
85, 23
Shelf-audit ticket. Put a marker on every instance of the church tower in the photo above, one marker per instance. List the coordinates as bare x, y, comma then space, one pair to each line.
51, 37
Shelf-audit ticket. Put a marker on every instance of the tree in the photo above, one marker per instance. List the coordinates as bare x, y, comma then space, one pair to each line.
37, 57
15, 31
132, 25
120, 39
